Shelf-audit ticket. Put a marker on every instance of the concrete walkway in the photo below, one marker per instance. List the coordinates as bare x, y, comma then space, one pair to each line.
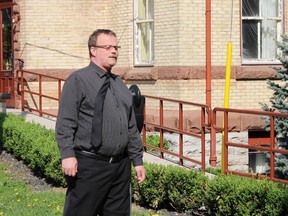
49, 123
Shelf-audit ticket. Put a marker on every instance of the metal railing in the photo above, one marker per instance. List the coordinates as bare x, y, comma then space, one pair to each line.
37, 96
166, 128
207, 121
271, 148
37, 107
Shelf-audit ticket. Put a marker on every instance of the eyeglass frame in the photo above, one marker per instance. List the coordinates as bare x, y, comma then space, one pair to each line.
108, 47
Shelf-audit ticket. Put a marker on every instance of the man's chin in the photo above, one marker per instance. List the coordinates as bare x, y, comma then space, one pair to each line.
112, 63
109, 66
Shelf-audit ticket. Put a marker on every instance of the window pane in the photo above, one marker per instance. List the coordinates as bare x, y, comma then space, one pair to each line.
145, 9
250, 39
142, 9
250, 7
145, 42
269, 8
6, 33
268, 37
151, 10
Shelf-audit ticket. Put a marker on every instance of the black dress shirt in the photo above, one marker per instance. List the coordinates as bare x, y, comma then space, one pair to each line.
76, 110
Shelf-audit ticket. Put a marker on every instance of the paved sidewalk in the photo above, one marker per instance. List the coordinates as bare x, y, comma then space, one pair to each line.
49, 123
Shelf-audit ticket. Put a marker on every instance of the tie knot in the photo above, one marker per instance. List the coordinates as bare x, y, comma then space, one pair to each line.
108, 74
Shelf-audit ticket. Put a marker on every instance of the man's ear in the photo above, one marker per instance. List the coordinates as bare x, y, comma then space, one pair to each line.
93, 51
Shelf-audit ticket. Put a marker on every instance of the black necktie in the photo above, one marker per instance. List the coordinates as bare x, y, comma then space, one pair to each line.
97, 122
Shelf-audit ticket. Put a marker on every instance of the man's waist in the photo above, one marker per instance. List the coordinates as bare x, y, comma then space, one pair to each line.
101, 157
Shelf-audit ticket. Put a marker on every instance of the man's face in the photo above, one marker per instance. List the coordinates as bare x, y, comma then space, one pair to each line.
106, 52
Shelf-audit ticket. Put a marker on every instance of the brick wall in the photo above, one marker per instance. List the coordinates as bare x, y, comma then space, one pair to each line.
243, 94
120, 20
167, 33
180, 32
54, 34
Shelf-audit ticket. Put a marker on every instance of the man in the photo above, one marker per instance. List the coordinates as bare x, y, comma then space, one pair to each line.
96, 154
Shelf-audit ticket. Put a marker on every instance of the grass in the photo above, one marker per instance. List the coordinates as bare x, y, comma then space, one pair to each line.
154, 140
16, 198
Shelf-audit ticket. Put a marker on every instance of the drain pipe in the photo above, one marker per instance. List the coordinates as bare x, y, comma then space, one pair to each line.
213, 157
208, 53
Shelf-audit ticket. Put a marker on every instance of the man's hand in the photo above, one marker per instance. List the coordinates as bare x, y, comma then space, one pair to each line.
140, 173
69, 166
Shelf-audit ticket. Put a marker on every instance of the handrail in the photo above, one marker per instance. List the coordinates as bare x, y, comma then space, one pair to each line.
204, 123
272, 149
207, 121
40, 94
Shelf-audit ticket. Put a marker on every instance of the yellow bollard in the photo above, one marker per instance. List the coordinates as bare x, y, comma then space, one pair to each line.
226, 95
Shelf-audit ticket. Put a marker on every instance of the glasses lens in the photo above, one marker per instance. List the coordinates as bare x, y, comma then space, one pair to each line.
108, 47
115, 47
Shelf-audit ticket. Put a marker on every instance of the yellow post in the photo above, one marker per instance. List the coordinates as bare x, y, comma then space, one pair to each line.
226, 94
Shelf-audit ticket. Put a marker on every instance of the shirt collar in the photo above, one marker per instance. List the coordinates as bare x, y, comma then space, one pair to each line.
100, 71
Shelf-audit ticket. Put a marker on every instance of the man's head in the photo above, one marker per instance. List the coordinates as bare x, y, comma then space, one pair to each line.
103, 48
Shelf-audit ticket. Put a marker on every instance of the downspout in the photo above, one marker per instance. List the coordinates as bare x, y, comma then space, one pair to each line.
284, 18
212, 159
208, 53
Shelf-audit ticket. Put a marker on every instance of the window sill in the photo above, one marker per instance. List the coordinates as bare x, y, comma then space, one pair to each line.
250, 63
144, 65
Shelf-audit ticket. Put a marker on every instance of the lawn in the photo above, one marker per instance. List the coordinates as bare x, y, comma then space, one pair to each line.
18, 198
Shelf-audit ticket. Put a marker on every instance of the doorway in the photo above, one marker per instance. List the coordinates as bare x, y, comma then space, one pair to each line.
6, 53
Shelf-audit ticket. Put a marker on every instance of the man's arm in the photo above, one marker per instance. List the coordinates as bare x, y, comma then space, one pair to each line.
135, 148
135, 145
66, 125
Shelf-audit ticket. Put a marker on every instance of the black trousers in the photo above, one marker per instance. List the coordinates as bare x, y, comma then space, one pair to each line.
100, 188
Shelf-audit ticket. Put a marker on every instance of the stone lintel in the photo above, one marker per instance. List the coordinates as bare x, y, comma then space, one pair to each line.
174, 72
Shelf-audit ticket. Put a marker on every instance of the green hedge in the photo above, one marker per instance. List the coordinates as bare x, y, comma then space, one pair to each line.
184, 190
234, 195
168, 187
34, 144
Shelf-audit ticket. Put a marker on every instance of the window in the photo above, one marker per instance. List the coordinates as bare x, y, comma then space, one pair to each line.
6, 39
144, 32
261, 28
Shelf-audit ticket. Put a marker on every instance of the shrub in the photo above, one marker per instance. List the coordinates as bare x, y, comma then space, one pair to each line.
34, 144
214, 171
154, 140
170, 187
185, 188
147, 195
234, 195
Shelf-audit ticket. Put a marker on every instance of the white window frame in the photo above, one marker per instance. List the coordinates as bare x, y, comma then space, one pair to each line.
144, 56
259, 18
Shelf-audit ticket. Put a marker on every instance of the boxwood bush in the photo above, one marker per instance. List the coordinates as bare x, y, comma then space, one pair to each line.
34, 144
235, 195
168, 187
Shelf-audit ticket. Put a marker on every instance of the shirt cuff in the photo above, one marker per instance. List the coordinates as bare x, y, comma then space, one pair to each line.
67, 153
137, 162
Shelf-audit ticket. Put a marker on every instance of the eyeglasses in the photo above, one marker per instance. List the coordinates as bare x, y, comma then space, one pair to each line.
108, 47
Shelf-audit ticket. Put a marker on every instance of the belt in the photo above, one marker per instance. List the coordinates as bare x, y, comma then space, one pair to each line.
112, 159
